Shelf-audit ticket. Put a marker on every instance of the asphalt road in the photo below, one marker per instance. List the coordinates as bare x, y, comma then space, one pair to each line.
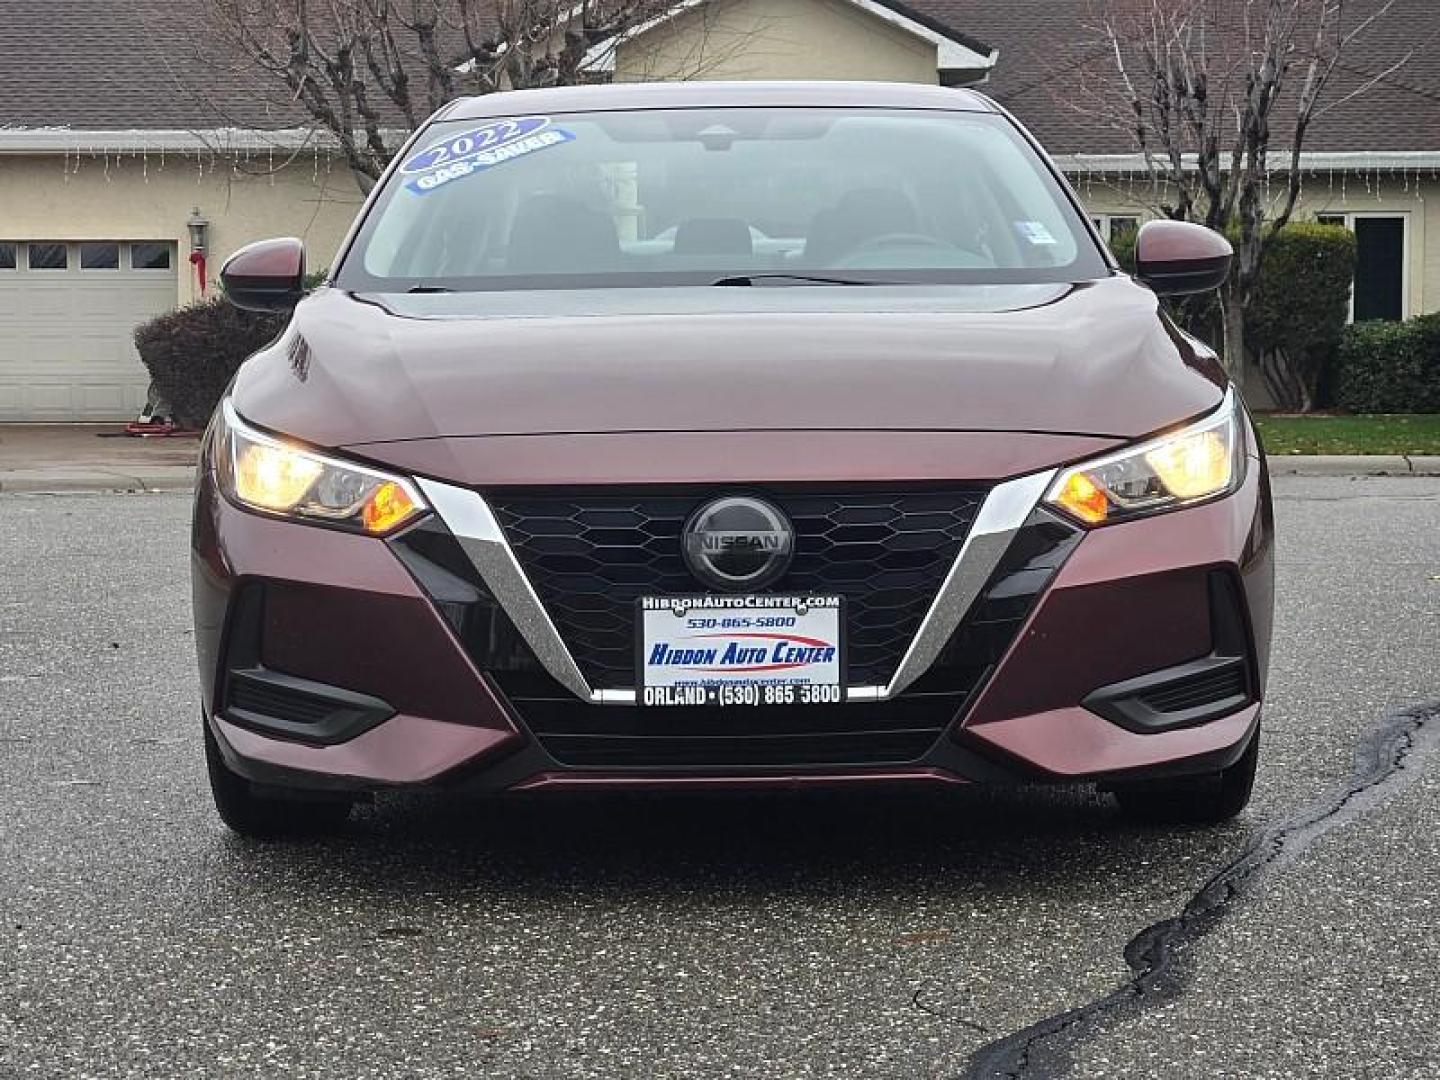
841, 936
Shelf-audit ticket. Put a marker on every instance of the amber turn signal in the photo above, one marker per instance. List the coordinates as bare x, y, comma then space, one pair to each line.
388, 505
1083, 498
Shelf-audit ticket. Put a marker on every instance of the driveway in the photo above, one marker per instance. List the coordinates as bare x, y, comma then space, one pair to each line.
85, 457
964, 935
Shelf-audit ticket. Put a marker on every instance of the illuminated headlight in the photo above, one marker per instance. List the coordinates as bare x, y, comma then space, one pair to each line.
274, 476
1202, 461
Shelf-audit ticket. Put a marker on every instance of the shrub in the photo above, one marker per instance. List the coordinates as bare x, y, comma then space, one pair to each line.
1390, 367
1122, 244
1297, 315
192, 354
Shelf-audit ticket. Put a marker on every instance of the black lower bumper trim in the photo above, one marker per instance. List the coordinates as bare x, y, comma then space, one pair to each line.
1195, 692
579, 735
1178, 697
295, 708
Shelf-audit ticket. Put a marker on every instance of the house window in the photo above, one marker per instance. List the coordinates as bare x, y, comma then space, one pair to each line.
1382, 245
1123, 228
1115, 227
49, 256
99, 256
8, 255
150, 256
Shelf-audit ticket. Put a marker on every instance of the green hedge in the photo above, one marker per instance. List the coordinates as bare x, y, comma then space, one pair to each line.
1123, 247
192, 354
1389, 367
1297, 315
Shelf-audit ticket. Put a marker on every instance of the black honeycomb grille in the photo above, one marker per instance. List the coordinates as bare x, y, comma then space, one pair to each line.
591, 556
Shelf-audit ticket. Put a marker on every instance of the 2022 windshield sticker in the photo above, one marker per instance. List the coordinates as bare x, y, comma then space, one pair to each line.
478, 149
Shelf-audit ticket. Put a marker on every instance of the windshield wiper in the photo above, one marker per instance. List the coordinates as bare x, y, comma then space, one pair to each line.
797, 279
428, 289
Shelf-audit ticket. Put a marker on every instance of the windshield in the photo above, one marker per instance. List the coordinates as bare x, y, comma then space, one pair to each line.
724, 196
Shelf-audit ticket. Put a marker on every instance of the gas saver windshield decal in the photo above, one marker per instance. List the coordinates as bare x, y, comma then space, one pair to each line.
479, 148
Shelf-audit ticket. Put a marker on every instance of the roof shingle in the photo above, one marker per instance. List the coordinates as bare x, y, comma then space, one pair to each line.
1045, 52
142, 64
159, 64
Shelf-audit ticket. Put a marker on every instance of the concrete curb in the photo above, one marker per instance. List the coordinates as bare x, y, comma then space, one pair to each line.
57, 481
1354, 465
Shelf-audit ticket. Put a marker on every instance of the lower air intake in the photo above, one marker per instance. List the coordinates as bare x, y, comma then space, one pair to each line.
1188, 694
635, 737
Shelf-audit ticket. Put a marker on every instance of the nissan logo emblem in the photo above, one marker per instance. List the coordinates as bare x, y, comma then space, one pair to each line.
738, 543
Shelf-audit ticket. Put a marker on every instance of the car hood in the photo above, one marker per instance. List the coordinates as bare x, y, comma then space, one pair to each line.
1090, 359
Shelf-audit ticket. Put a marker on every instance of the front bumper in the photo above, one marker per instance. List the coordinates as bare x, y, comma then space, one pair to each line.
309, 611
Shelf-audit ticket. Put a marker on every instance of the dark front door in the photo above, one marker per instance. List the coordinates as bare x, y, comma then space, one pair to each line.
1379, 268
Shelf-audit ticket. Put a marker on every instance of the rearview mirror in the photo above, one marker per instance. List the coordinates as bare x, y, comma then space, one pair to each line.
1179, 257
268, 275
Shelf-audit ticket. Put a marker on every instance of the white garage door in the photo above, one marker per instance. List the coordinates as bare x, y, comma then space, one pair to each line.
67, 313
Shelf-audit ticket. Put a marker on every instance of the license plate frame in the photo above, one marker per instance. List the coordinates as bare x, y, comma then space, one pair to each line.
779, 657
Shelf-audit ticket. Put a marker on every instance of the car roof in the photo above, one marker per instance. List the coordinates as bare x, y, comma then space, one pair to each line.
700, 95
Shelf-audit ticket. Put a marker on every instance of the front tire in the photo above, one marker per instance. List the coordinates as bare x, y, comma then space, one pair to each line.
1207, 799
267, 816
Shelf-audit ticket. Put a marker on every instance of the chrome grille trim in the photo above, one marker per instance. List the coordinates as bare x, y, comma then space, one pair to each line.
1001, 515
470, 519
468, 516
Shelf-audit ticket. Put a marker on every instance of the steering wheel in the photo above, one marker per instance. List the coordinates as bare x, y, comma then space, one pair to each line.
899, 240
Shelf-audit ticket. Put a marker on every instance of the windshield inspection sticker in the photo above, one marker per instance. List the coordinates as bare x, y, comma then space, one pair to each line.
1035, 232
478, 149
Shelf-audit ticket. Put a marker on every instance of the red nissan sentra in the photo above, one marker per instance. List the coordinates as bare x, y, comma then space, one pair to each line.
732, 435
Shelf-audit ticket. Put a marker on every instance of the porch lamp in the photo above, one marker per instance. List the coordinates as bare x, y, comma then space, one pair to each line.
199, 228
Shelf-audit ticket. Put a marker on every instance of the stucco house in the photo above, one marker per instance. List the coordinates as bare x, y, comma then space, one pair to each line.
1371, 158
135, 155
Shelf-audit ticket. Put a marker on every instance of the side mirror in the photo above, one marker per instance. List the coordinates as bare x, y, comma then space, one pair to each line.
268, 275
1178, 257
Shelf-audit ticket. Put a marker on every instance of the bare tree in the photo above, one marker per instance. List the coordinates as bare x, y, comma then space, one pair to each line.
369, 71
1206, 88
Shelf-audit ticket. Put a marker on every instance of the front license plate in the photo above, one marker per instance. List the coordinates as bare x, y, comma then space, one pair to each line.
740, 650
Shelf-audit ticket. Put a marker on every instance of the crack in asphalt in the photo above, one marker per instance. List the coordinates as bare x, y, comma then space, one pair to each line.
1385, 760
961, 1020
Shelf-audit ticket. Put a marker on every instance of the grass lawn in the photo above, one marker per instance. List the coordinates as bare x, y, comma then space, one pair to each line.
1390, 433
